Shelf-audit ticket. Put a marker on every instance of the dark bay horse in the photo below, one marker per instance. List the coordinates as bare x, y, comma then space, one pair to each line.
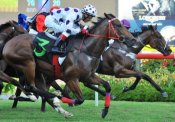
80, 63
118, 59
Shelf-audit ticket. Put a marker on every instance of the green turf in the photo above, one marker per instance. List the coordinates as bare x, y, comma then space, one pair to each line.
87, 112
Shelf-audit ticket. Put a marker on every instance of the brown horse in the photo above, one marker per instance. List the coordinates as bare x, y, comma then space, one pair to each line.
8, 31
118, 59
80, 63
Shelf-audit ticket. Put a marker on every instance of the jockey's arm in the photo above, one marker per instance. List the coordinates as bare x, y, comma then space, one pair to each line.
71, 26
51, 22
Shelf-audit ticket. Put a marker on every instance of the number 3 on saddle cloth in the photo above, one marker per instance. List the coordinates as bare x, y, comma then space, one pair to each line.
43, 43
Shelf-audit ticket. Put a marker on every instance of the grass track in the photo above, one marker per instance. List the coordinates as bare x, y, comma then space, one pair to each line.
120, 111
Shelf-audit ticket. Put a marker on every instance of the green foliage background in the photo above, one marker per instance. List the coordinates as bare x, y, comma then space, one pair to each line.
162, 75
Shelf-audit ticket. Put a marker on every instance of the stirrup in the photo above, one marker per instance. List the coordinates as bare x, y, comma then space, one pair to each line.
57, 50
54, 49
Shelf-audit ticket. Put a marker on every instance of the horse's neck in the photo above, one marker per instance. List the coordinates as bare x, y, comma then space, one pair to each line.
120, 45
142, 41
92, 46
96, 45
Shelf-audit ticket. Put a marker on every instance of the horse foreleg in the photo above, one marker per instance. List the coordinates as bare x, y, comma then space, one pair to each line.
89, 85
94, 79
54, 102
75, 88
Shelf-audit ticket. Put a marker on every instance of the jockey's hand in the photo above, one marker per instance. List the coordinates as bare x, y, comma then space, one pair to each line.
84, 31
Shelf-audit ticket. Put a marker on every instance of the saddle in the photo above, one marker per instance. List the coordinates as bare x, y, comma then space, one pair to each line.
43, 44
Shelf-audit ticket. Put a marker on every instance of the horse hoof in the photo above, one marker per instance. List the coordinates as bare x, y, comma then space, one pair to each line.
68, 115
104, 112
164, 94
125, 89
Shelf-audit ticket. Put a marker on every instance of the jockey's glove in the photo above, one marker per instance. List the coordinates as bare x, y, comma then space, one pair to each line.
85, 30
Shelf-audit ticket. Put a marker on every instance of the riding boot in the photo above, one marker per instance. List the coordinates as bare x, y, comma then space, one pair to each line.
55, 48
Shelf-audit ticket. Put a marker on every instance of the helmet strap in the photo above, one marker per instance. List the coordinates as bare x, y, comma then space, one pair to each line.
85, 16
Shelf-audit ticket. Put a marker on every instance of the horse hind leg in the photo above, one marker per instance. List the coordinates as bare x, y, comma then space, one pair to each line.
139, 75
133, 86
155, 85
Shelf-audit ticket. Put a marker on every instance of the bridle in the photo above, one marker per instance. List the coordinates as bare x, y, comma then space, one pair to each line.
110, 27
152, 33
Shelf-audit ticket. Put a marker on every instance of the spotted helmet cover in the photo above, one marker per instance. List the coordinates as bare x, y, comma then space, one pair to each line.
90, 9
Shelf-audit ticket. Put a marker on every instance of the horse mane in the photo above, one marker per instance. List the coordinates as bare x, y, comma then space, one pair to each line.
95, 24
148, 27
99, 21
144, 28
80, 36
6, 25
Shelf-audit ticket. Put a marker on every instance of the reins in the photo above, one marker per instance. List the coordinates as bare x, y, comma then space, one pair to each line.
111, 27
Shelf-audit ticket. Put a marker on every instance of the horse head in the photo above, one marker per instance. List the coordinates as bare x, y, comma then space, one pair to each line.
9, 30
117, 28
156, 40
108, 27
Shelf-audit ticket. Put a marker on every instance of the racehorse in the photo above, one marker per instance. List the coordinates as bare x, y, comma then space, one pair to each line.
8, 31
119, 58
80, 63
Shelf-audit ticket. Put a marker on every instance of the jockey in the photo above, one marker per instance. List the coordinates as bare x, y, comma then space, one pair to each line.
22, 20
67, 22
38, 23
126, 23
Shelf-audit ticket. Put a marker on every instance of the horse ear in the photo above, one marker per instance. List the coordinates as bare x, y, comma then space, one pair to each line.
150, 27
109, 16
